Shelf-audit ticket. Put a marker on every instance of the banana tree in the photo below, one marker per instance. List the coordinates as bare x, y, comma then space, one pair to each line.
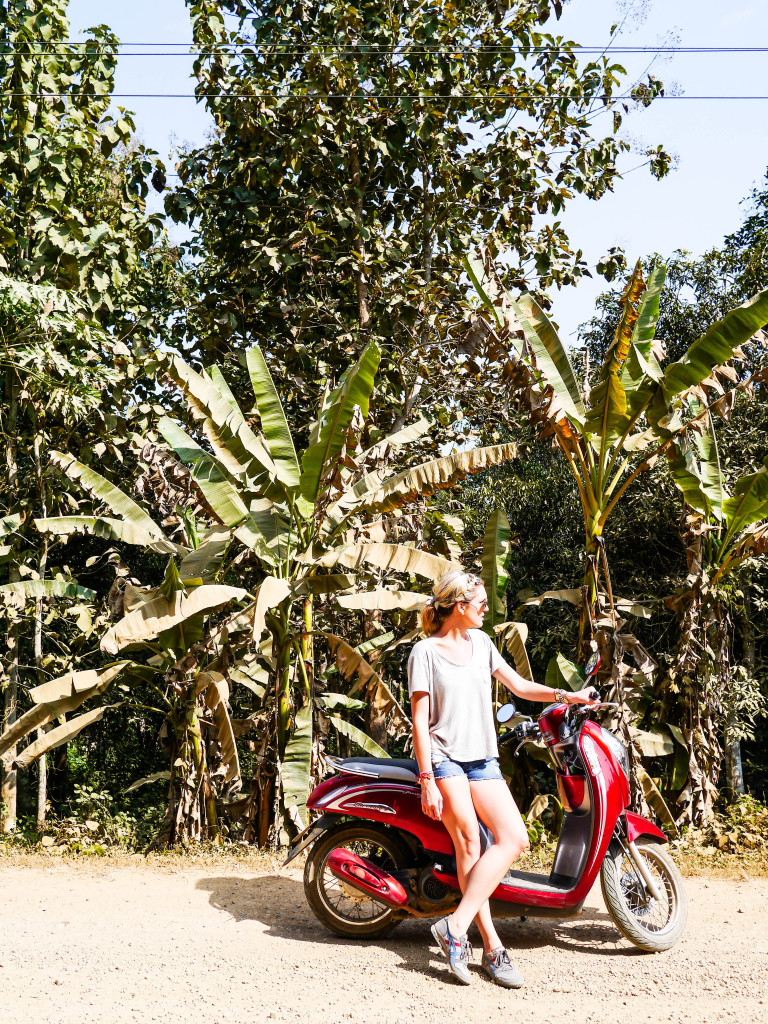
724, 528
636, 411
309, 526
616, 430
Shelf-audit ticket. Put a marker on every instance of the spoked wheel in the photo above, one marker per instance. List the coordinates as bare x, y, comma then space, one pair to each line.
651, 924
347, 911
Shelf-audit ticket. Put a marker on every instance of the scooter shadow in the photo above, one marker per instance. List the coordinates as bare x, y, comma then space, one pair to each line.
279, 905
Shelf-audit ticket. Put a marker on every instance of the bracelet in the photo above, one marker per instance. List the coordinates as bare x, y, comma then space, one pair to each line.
426, 775
561, 697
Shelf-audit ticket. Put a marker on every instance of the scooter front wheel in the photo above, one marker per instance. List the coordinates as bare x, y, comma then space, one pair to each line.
347, 911
651, 924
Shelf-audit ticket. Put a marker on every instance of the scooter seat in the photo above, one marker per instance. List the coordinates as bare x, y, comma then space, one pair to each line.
402, 768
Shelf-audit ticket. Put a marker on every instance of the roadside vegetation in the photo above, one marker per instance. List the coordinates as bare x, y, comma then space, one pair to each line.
232, 469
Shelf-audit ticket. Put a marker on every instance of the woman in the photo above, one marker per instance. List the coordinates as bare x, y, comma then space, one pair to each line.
454, 741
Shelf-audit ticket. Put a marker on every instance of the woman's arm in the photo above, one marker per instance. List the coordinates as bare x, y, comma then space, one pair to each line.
431, 798
535, 691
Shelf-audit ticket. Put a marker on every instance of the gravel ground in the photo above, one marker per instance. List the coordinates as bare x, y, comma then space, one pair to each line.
84, 942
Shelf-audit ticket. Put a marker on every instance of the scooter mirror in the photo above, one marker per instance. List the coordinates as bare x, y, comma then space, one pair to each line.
505, 712
592, 665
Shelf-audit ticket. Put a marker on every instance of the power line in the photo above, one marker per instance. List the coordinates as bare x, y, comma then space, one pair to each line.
628, 97
236, 48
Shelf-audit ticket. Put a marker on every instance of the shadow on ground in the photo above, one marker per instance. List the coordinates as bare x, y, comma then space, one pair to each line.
280, 906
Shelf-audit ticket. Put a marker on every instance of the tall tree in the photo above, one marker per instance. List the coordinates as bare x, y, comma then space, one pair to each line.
76, 246
357, 150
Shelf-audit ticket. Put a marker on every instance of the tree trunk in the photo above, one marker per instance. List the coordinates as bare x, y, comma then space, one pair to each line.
359, 245
42, 764
375, 722
734, 770
10, 694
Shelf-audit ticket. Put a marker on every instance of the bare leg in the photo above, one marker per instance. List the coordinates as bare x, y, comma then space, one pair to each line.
460, 818
496, 808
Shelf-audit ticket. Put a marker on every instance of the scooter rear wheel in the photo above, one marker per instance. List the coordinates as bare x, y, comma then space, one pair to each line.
653, 925
346, 911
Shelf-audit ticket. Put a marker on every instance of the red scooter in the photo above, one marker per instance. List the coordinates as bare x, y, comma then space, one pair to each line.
376, 858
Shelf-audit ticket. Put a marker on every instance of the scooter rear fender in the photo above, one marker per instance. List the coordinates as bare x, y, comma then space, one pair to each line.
637, 826
309, 835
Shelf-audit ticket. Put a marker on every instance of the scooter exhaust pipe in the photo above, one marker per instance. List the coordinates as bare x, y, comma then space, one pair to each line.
366, 877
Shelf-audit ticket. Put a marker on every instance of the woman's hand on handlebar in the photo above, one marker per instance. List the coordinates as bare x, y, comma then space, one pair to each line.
589, 695
431, 799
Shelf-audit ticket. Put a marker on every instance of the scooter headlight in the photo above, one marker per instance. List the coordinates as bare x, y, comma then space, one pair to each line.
618, 750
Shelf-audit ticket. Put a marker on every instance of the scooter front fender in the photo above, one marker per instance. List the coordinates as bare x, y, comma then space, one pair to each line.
637, 826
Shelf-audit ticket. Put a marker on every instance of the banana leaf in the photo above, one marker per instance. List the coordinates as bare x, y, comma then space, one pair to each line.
218, 378
270, 594
561, 672
358, 737
354, 391
493, 297
207, 472
711, 472
652, 744
206, 559
398, 557
716, 346
59, 697
234, 444
749, 502
351, 663
608, 418
216, 698
31, 589
512, 636
654, 798
296, 767
528, 597
642, 368
55, 738
109, 529
374, 494
404, 436
382, 600
329, 584
157, 777
329, 701
250, 674
160, 615
72, 684
104, 491
497, 552
551, 355
274, 425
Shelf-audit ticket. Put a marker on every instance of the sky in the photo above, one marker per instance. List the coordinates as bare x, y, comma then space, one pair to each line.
720, 146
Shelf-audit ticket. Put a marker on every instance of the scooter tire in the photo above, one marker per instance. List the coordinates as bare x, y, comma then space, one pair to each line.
653, 927
325, 894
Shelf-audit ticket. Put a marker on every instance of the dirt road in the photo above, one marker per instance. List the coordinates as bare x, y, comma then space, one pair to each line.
230, 944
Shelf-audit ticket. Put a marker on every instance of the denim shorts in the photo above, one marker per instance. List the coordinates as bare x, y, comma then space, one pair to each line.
476, 771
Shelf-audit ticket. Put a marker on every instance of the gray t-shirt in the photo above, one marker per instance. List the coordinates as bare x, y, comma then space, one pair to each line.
461, 722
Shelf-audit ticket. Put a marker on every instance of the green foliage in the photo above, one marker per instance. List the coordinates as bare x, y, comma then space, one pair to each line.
354, 160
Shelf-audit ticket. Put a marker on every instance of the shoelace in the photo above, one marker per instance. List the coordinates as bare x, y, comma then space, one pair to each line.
466, 949
501, 958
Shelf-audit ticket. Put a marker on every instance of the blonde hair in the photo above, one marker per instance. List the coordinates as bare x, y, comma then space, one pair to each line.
450, 588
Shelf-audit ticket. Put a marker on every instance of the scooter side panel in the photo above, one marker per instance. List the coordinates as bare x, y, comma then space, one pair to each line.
395, 804
608, 800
